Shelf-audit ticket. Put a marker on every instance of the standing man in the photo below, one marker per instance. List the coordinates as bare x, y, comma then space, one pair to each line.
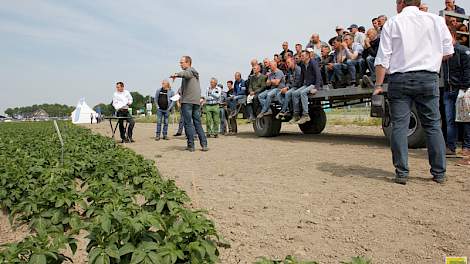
456, 77
164, 105
211, 107
412, 47
191, 103
122, 99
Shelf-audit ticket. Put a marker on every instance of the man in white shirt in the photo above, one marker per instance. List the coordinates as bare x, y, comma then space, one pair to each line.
412, 47
122, 99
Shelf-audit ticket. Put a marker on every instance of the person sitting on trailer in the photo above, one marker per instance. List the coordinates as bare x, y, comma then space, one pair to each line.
276, 81
293, 82
310, 76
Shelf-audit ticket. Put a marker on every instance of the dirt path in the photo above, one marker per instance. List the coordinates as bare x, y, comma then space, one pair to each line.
327, 197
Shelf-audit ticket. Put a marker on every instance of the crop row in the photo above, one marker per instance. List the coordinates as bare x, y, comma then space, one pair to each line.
130, 213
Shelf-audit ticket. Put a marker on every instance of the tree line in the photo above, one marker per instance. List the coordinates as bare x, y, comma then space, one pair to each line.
54, 110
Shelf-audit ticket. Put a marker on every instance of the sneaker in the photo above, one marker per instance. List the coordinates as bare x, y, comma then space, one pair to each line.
157, 138
401, 180
260, 115
190, 149
367, 81
268, 113
177, 134
304, 119
165, 138
450, 152
280, 115
205, 149
439, 180
295, 119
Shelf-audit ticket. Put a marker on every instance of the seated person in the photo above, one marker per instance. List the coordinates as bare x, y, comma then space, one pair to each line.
310, 76
257, 86
326, 64
239, 93
294, 73
371, 47
276, 81
122, 99
352, 59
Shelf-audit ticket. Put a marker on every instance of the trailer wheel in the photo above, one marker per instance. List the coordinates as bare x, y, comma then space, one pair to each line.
416, 133
317, 123
267, 126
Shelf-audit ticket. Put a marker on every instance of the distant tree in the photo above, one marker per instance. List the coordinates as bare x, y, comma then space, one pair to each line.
138, 101
106, 109
54, 110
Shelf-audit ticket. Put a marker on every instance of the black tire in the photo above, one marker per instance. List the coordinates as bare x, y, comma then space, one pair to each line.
268, 126
416, 133
317, 123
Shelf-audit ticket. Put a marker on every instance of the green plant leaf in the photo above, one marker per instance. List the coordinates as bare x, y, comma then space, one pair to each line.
38, 259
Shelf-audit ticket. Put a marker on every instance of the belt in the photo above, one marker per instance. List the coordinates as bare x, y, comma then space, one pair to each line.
399, 73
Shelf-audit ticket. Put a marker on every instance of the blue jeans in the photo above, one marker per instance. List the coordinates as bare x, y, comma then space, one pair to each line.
352, 66
162, 116
286, 98
192, 124
266, 97
301, 95
370, 64
450, 98
422, 89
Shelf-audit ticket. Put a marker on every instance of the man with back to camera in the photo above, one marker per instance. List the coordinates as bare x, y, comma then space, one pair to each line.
413, 66
122, 99
191, 103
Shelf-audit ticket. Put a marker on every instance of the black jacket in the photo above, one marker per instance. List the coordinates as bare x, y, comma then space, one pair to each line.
457, 69
372, 50
311, 74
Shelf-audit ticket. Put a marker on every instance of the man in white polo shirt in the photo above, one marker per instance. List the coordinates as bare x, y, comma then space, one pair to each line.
412, 47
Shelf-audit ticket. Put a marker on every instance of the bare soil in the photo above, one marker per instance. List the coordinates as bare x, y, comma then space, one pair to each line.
321, 197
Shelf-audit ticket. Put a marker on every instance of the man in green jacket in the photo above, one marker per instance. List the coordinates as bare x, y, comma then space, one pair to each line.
257, 85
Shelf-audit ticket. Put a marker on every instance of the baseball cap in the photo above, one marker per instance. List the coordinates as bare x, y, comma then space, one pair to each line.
353, 26
309, 49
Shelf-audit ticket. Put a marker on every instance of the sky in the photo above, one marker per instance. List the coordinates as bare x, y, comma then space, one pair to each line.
61, 51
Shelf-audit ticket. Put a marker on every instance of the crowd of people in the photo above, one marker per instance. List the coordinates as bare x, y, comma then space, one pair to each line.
289, 77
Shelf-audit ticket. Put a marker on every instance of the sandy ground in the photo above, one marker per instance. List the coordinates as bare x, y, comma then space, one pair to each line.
322, 197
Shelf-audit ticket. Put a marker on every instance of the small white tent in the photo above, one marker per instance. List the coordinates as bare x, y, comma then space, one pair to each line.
83, 114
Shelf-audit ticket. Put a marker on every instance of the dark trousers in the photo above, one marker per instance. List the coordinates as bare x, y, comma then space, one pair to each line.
450, 99
422, 90
192, 124
130, 124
